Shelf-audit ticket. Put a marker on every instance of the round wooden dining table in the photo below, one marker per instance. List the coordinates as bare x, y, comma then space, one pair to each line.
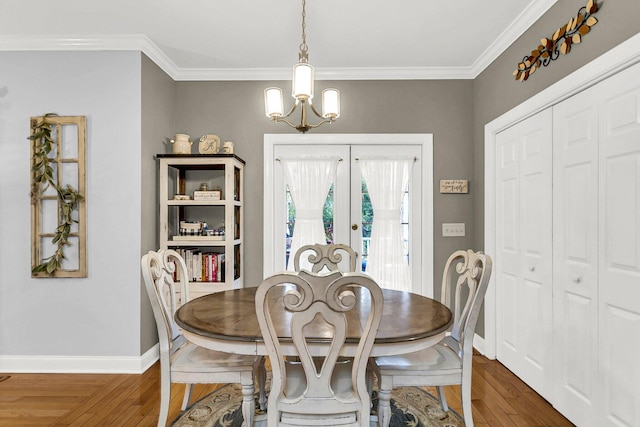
226, 321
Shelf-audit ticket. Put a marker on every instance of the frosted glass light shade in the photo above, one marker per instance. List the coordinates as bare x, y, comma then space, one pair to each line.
303, 76
273, 104
331, 104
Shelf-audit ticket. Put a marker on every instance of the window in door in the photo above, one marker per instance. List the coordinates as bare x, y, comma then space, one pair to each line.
327, 220
367, 223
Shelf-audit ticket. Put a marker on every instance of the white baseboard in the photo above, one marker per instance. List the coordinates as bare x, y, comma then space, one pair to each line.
80, 364
479, 344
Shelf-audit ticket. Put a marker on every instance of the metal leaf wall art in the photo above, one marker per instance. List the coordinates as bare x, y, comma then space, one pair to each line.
560, 42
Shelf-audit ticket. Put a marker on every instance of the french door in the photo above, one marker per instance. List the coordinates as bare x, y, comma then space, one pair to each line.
348, 210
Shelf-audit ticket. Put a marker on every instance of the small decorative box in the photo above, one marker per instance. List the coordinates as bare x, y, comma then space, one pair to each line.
190, 228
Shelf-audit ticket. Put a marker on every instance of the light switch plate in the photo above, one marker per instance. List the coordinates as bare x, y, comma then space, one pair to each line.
453, 229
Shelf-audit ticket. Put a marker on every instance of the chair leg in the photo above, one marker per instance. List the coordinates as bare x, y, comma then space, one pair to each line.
165, 396
442, 398
248, 403
371, 374
465, 391
188, 388
384, 400
260, 372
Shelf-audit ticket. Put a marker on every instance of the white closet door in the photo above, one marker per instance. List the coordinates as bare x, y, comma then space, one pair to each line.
619, 270
575, 257
524, 267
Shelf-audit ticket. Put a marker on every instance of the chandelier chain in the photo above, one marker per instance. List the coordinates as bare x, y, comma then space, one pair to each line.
304, 50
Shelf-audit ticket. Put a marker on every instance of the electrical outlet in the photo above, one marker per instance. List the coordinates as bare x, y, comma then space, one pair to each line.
453, 229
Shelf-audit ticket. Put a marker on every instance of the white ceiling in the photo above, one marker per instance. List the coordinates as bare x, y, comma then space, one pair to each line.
259, 39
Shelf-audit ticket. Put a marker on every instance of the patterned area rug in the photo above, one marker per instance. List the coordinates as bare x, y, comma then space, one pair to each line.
410, 406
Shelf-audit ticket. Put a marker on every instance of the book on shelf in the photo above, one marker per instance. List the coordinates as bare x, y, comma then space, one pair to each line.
202, 266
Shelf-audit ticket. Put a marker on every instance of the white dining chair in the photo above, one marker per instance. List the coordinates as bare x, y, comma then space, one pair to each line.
318, 389
185, 362
325, 258
464, 284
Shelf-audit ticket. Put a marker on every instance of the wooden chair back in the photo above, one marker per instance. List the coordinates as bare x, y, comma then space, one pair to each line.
325, 257
165, 279
464, 285
315, 303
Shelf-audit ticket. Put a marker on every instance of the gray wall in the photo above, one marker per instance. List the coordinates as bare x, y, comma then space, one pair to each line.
495, 91
158, 99
98, 315
128, 99
235, 111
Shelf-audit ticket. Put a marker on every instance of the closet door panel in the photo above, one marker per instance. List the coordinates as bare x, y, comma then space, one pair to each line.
508, 243
524, 245
619, 290
575, 257
535, 302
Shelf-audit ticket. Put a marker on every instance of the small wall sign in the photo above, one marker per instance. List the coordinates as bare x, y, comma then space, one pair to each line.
208, 196
454, 186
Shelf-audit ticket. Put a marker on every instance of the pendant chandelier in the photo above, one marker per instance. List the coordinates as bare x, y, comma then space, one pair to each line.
302, 92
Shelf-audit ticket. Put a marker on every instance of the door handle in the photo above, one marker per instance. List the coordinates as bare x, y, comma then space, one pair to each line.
354, 226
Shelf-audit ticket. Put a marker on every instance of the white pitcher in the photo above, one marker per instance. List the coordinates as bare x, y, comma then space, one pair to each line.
181, 144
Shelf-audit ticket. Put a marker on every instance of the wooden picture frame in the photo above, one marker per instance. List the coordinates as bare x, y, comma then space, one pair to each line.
67, 162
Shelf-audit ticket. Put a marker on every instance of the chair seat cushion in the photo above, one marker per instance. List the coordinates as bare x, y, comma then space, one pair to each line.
437, 360
193, 358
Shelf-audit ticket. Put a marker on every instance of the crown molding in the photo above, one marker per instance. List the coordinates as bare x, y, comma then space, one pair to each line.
137, 42
125, 42
395, 73
517, 28
378, 73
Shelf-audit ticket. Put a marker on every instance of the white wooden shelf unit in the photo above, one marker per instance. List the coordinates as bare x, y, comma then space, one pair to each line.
181, 174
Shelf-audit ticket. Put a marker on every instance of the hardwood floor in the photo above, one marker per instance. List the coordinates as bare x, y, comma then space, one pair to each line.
499, 399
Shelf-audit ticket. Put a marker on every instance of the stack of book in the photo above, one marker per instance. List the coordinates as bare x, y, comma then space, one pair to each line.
203, 266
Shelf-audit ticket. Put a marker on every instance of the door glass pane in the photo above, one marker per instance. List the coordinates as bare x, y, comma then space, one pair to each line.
327, 220
367, 221
327, 216
404, 213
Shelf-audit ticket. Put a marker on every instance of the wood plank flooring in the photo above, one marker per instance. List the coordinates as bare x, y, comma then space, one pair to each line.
499, 399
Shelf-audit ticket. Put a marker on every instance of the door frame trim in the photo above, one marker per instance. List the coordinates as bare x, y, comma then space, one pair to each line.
615, 60
425, 140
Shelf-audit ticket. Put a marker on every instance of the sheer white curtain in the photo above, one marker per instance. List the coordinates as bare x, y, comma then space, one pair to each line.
387, 180
309, 181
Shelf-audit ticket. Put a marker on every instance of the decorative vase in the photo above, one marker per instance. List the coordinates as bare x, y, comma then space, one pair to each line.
181, 144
